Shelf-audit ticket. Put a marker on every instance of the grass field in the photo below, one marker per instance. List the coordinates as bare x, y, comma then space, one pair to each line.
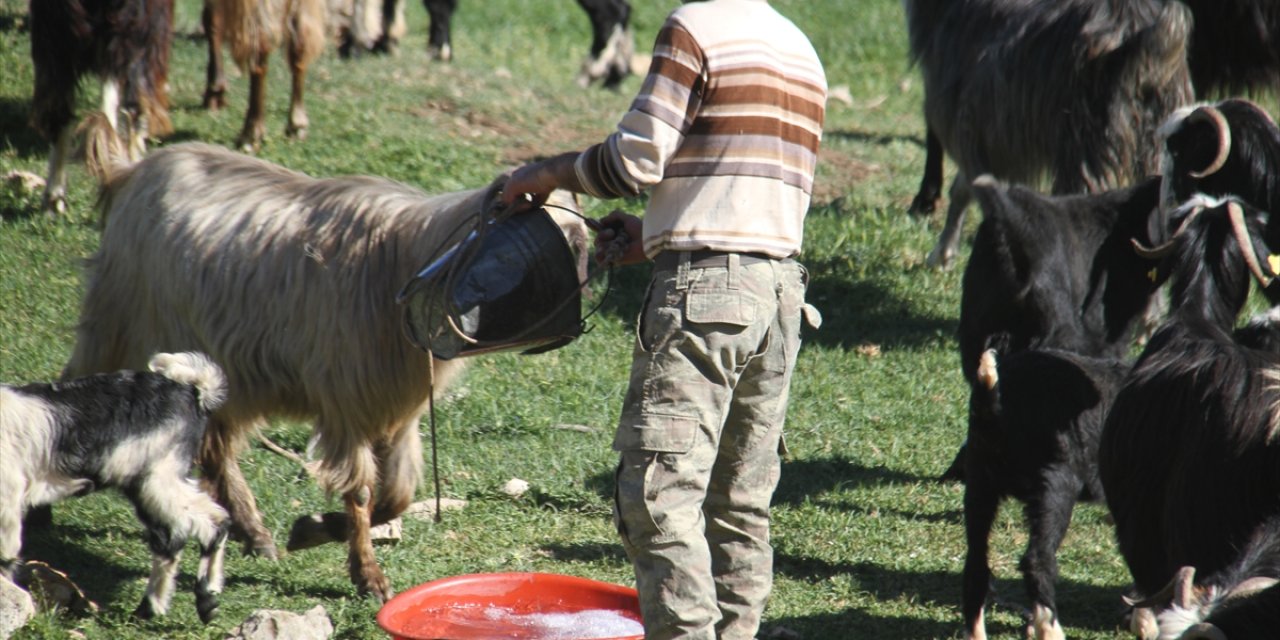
868, 544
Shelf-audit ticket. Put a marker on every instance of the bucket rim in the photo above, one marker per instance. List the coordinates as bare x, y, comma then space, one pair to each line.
516, 579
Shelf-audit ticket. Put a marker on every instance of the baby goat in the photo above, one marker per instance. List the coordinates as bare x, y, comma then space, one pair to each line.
136, 431
1035, 418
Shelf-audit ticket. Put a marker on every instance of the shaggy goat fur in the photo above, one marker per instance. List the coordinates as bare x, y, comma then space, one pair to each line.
136, 431
1188, 453
255, 28
1068, 90
1225, 149
289, 283
124, 42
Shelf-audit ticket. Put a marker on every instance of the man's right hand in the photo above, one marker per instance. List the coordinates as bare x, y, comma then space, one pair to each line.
619, 239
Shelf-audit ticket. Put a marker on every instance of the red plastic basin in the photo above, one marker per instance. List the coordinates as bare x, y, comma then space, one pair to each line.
498, 606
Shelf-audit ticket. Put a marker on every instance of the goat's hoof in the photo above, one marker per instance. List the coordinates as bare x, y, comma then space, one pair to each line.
267, 551
206, 608
250, 141
440, 53
939, 258
214, 100
54, 206
379, 588
144, 611
296, 132
924, 205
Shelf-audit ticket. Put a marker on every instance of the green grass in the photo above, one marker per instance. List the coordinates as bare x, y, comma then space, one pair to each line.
867, 543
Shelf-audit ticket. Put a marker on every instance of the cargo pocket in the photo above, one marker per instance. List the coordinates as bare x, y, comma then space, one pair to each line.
657, 433
719, 307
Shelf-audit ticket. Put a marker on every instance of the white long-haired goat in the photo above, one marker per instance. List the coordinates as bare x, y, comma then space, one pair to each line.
289, 283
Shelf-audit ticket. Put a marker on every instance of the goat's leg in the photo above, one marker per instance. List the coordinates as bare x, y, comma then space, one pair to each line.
980, 506
298, 121
215, 83
224, 481
1047, 517
944, 253
362, 565
438, 38
164, 572
399, 460
929, 196
393, 27
166, 542
209, 576
55, 189
10, 531
255, 129
174, 510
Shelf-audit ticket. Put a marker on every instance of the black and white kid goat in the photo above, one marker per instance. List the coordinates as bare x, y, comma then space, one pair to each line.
136, 431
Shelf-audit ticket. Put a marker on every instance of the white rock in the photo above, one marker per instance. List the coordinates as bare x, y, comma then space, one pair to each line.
426, 509
515, 487
388, 532
16, 608
273, 624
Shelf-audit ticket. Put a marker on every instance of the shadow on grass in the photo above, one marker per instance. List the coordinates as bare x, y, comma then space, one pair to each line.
17, 133
1084, 606
588, 552
69, 548
871, 137
804, 479
856, 312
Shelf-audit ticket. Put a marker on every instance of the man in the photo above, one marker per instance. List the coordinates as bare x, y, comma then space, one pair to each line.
724, 135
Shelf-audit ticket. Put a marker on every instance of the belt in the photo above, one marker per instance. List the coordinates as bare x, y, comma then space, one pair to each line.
706, 259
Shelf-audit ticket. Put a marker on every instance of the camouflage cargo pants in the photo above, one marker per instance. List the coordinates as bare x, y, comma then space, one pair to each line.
698, 439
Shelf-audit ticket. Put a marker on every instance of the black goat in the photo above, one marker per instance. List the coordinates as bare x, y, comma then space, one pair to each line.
1057, 272
1230, 148
1034, 421
1234, 48
1188, 457
136, 431
1025, 90
124, 42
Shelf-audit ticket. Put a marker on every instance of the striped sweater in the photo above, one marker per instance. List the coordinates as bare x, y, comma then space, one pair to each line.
724, 131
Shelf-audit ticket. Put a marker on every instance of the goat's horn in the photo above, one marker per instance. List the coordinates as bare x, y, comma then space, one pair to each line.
1151, 253
1177, 589
1160, 251
1236, 213
1251, 586
1203, 631
1214, 117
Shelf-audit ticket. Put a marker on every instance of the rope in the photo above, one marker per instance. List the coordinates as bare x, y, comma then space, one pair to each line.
472, 240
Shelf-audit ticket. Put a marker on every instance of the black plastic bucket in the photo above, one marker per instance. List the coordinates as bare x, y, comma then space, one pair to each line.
512, 284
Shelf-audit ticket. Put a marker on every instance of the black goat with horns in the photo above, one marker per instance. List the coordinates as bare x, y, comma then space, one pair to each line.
1188, 456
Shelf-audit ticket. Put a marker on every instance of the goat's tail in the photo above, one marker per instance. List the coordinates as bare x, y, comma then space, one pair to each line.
105, 153
986, 384
195, 369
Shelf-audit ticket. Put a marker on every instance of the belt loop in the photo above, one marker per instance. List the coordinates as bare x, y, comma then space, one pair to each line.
682, 271
734, 263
